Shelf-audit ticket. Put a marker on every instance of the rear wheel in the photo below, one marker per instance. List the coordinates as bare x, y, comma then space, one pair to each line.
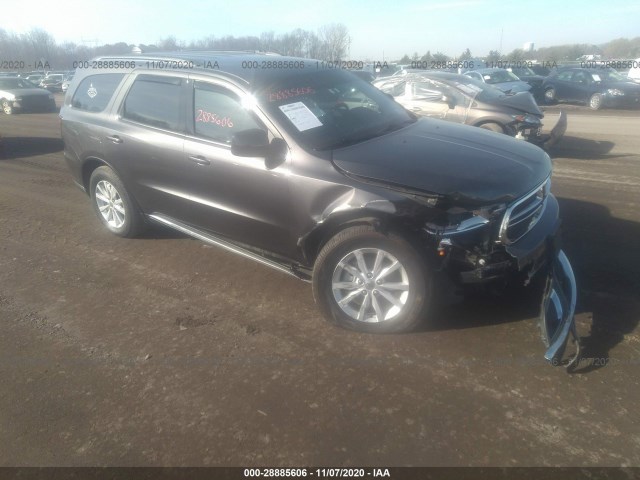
368, 281
113, 205
595, 102
550, 95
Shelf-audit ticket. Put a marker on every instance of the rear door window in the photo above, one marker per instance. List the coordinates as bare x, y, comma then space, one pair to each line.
154, 100
95, 91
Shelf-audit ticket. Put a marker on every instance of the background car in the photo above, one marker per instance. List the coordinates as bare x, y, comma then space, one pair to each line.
499, 78
461, 99
20, 94
634, 72
66, 82
597, 87
35, 78
53, 82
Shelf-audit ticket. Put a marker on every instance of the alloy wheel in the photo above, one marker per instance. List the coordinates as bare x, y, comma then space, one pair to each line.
370, 285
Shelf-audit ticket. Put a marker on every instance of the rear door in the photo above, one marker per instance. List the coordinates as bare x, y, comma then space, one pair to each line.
146, 142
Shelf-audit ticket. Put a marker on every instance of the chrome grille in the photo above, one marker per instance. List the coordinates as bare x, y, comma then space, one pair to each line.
524, 213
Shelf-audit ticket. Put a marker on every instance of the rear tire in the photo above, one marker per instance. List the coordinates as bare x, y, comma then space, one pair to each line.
367, 281
550, 96
113, 204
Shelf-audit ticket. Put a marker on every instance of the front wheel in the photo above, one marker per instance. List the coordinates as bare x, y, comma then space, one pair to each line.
113, 205
368, 281
595, 102
7, 107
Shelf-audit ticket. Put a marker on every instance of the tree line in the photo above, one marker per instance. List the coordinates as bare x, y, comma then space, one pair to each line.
615, 49
330, 42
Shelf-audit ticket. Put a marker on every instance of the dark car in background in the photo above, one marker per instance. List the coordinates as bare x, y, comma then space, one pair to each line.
19, 94
318, 174
364, 75
597, 87
461, 99
499, 78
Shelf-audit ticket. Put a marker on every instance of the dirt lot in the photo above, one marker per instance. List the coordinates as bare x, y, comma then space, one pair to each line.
163, 351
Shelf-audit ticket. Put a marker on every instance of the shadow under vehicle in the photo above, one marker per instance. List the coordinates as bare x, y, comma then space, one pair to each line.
318, 174
460, 99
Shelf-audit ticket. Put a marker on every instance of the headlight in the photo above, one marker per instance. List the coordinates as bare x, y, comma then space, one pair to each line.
526, 119
615, 92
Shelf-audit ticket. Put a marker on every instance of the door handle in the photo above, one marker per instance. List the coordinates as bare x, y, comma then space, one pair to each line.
114, 138
199, 159
416, 109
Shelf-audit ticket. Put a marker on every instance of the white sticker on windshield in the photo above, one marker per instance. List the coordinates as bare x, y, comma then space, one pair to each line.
487, 77
92, 92
300, 116
596, 77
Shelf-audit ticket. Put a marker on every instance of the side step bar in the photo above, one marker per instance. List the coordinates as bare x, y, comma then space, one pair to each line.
219, 242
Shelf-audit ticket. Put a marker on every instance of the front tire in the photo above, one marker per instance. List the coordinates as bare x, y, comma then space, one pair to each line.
113, 204
595, 102
7, 107
367, 281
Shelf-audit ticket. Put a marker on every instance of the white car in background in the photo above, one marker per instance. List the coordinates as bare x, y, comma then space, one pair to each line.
634, 73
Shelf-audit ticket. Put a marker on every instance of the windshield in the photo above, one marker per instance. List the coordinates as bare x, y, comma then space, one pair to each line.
331, 108
14, 83
499, 76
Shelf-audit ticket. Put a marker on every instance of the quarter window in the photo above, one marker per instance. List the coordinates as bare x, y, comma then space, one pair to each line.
155, 101
94, 92
218, 113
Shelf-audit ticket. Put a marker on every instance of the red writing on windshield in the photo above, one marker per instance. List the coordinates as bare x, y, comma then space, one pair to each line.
208, 117
289, 93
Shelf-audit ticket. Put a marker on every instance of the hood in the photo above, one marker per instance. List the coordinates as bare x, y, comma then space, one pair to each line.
522, 102
468, 165
515, 86
626, 86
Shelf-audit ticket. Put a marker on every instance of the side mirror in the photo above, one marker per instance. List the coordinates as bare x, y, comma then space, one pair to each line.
450, 101
250, 143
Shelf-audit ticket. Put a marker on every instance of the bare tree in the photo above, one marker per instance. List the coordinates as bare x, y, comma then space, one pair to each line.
336, 41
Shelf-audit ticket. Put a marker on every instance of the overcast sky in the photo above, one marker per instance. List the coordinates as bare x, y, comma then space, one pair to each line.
389, 28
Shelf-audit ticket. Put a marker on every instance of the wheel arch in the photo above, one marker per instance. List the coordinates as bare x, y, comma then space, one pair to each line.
313, 242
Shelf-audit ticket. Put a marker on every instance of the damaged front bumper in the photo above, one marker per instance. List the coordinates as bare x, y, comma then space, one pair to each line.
557, 321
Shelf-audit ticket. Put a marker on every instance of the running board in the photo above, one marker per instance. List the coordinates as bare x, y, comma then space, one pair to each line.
219, 242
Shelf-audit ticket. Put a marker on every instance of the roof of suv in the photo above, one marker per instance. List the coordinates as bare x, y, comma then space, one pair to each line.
242, 64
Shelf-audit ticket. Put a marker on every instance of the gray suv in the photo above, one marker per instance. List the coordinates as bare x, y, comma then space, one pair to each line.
315, 172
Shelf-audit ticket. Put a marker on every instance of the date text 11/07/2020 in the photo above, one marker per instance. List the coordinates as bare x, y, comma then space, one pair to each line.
317, 472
